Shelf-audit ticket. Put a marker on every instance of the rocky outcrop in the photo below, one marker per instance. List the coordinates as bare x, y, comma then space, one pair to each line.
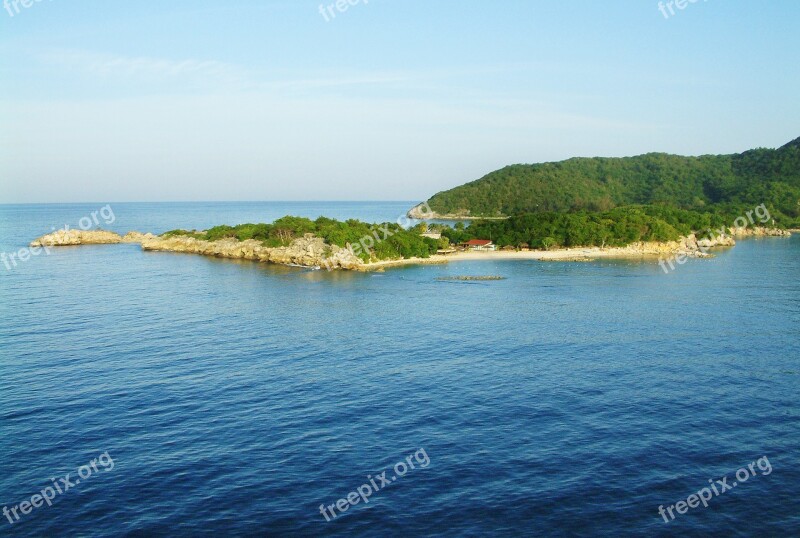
61, 238
137, 237
688, 246
308, 251
702, 245
424, 212
760, 231
77, 237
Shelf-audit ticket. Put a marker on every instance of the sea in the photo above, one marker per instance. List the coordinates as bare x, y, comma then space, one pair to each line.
159, 394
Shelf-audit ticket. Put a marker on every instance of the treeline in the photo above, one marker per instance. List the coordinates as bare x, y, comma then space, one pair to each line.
707, 183
617, 227
388, 240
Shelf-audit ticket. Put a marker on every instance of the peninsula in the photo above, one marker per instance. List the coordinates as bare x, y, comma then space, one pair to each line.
403, 247
650, 206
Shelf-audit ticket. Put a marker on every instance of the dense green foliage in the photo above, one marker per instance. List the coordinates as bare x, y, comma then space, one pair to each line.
717, 183
369, 241
617, 227
579, 202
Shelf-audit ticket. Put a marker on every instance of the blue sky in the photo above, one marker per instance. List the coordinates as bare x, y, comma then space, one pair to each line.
391, 100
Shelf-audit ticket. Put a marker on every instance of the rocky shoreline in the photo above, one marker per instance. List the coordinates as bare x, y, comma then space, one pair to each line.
312, 252
760, 231
64, 238
424, 212
308, 251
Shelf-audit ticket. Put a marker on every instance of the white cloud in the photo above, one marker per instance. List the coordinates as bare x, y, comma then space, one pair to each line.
143, 67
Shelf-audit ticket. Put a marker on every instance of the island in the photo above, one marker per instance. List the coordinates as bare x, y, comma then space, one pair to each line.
358, 246
656, 206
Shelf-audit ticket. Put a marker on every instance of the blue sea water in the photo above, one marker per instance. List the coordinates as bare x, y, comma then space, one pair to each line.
235, 398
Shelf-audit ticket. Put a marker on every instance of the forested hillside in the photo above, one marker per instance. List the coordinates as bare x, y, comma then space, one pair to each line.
727, 182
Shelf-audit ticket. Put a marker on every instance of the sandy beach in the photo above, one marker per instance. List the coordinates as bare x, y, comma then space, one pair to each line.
570, 254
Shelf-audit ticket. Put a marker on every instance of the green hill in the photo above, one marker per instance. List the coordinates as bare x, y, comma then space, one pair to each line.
759, 176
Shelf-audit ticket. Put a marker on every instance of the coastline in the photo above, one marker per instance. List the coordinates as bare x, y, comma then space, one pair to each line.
313, 253
417, 213
578, 254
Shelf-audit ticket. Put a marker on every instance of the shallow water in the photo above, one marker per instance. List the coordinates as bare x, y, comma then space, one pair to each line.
235, 398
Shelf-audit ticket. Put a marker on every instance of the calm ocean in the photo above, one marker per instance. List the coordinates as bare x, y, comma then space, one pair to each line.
235, 398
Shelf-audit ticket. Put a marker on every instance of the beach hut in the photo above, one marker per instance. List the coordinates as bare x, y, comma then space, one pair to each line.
480, 245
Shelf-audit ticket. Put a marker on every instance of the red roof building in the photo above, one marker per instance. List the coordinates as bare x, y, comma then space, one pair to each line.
479, 244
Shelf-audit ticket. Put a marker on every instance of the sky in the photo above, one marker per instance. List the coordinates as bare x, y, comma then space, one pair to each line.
190, 100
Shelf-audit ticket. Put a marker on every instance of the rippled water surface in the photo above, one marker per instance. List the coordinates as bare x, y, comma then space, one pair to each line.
235, 398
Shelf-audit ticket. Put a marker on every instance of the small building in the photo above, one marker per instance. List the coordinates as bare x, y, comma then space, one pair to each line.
507, 248
480, 245
524, 247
